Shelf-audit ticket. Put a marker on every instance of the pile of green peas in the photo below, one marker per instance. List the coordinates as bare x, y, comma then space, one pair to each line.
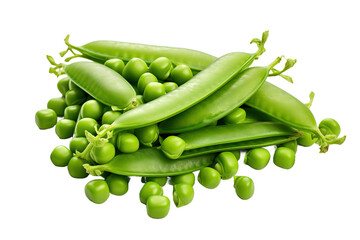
76, 114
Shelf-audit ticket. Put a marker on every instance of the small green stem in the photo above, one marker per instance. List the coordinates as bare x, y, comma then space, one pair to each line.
326, 142
260, 44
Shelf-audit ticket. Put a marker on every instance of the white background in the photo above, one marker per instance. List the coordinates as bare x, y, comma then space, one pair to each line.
317, 199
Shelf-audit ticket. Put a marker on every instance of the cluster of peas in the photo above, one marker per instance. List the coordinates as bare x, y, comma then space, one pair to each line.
81, 113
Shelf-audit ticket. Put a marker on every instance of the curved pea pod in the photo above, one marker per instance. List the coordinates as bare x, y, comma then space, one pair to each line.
150, 162
282, 106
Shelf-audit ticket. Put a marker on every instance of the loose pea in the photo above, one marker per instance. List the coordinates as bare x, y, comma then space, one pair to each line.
65, 128
238, 115
257, 158
78, 144
85, 124
45, 118
60, 156
115, 64
306, 140
284, 157
97, 191
153, 90
173, 147
188, 178
75, 96
149, 189
159, 180
92, 109
127, 142
169, 86
103, 154
226, 164
63, 85
76, 169
118, 184
58, 105
209, 177
109, 117
72, 112
134, 69
161, 68
183, 194
244, 187
158, 206
329, 126
144, 80
292, 145
147, 135
181, 74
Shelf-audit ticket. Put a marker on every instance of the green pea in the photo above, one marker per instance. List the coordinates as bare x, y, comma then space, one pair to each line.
75, 96
236, 154
183, 194
169, 86
173, 147
103, 154
134, 69
257, 158
109, 117
97, 191
306, 140
45, 118
238, 115
72, 112
244, 187
159, 180
144, 80
329, 126
147, 135
60, 156
76, 169
292, 145
65, 128
187, 178
92, 109
209, 177
158, 206
127, 142
284, 157
226, 164
115, 64
149, 189
78, 144
181, 74
118, 184
85, 124
73, 85
161, 68
153, 90
63, 85
58, 105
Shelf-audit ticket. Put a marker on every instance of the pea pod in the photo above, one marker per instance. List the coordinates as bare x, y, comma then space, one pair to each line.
285, 108
150, 162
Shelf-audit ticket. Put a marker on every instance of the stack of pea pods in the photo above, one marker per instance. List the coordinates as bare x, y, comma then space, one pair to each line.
163, 113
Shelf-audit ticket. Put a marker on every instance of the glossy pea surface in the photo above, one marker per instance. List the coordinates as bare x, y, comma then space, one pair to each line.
75, 97
306, 140
291, 144
284, 158
144, 80
209, 177
149, 189
65, 128
161, 68
63, 85
153, 90
183, 194
109, 117
72, 112
181, 74
127, 142
103, 154
244, 187
118, 184
76, 169
188, 178
226, 164
85, 124
173, 147
45, 118
78, 144
157, 206
236, 116
147, 135
115, 64
60, 156
58, 105
330, 126
257, 158
97, 191
170, 86
92, 109
134, 69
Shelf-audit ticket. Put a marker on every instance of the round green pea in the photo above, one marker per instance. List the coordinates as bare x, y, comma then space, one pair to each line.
134, 69
149, 189
330, 126
144, 80
58, 105
181, 74
238, 115
127, 142
65, 128
169, 86
78, 144
109, 117
75, 96
236, 154
45, 118
60, 156
187, 178
103, 154
153, 90
173, 147
209, 177
147, 135
291, 144
76, 169
226, 164
118, 184
183, 194
85, 124
244, 187
157, 206
72, 112
160, 180
284, 157
306, 140
97, 191
161, 68
257, 158
63, 85
115, 64
92, 109
73, 85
